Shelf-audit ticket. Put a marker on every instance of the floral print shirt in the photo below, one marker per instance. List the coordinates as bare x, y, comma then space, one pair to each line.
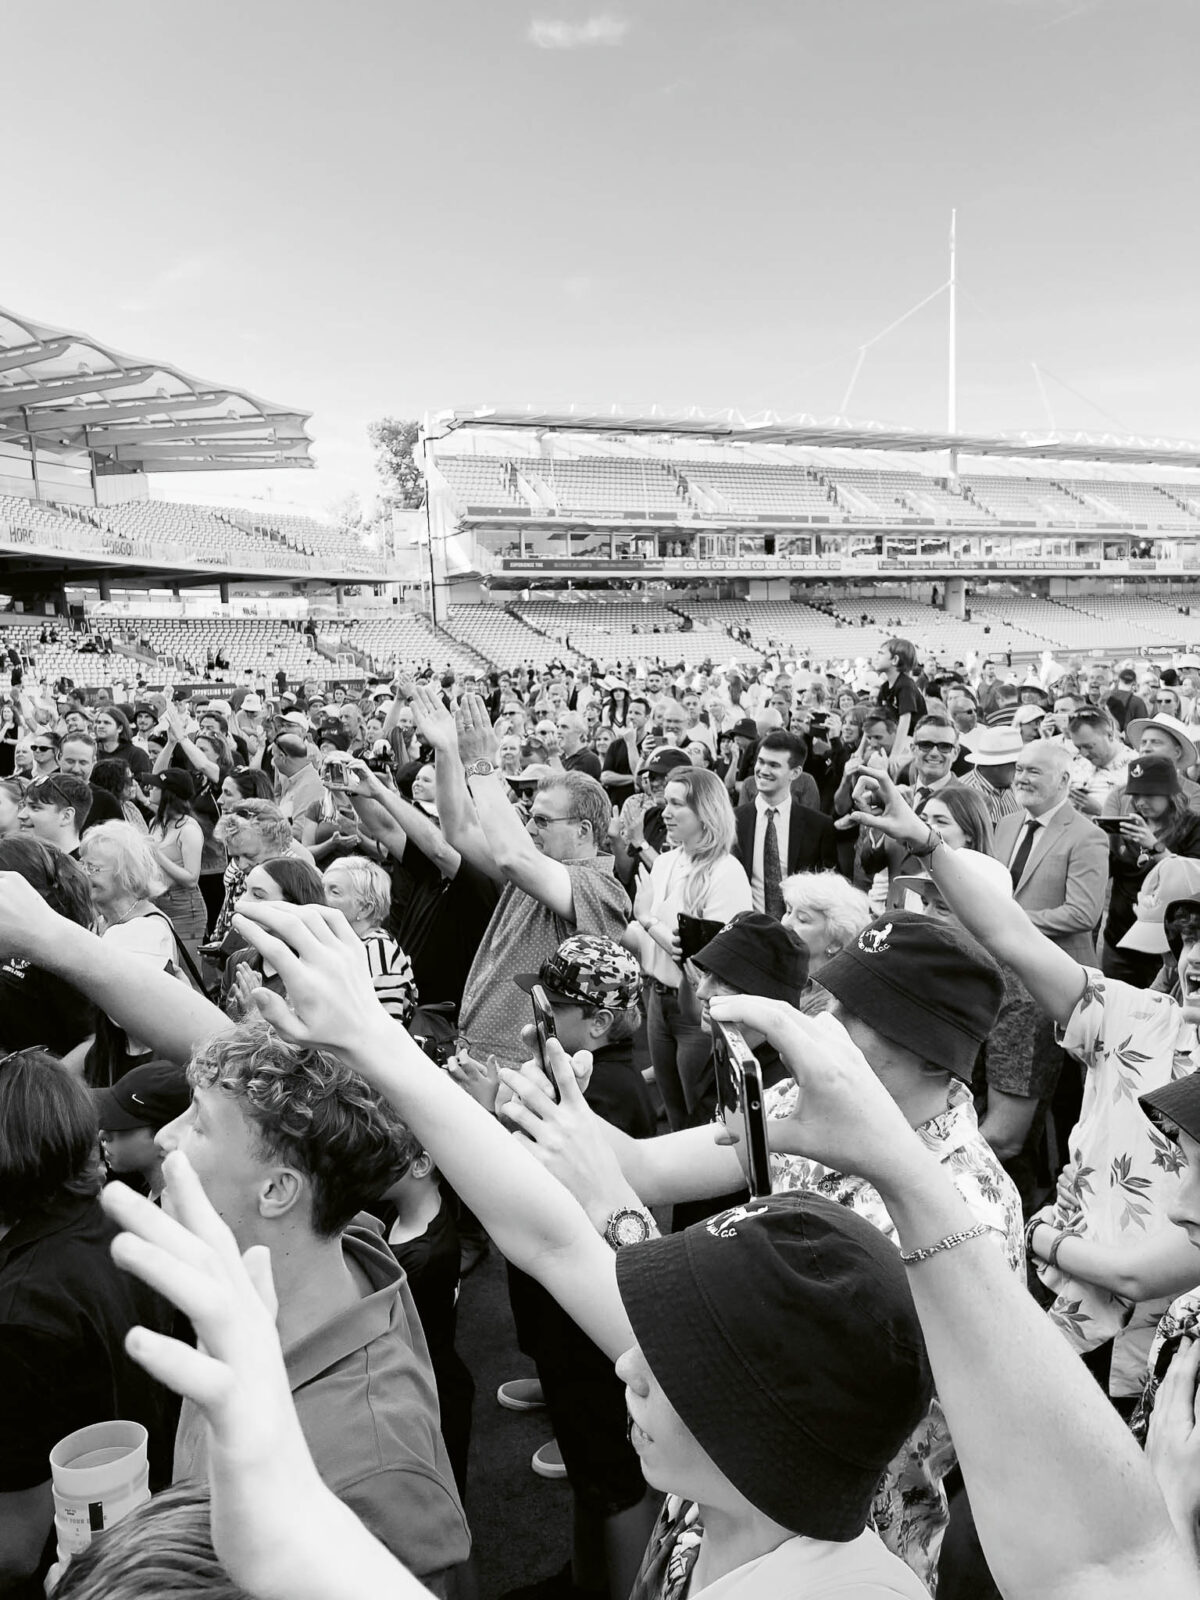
910, 1512
1121, 1171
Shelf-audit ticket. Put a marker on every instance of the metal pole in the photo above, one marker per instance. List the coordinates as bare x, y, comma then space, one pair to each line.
429, 534
952, 406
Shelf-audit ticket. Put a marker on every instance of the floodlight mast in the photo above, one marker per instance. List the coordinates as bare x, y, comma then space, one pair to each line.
952, 387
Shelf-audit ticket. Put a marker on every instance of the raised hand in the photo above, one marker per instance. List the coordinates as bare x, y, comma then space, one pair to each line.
566, 1136
434, 722
26, 921
843, 1116
330, 997
894, 816
1173, 1441
477, 739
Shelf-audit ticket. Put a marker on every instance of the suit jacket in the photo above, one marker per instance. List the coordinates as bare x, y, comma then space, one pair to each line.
812, 841
1062, 887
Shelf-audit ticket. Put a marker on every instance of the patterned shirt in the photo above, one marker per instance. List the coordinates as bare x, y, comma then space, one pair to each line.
1121, 1172
818, 1569
999, 802
910, 1511
391, 975
1180, 1320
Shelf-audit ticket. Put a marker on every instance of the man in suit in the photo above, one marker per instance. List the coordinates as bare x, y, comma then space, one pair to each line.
1058, 861
775, 834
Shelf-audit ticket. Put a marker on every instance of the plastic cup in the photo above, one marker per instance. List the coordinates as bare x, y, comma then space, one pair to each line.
99, 1474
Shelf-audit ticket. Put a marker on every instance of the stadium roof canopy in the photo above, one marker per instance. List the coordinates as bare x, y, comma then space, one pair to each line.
828, 433
67, 391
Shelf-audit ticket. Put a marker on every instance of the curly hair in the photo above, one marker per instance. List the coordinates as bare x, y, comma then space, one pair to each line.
312, 1113
162, 1550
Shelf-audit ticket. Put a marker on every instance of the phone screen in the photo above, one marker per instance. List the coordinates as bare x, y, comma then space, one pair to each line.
543, 1022
739, 1087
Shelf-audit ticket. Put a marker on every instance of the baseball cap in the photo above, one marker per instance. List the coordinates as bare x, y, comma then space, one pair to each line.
148, 1096
221, 707
923, 983
783, 1332
1024, 714
744, 728
251, 702
588, 970
755, 954
666, 760
296, 718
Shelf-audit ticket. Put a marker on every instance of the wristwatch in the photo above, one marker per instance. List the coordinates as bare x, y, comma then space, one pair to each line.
481, 769
628, 1225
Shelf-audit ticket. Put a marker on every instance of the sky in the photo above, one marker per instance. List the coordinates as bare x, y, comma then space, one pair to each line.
374, 207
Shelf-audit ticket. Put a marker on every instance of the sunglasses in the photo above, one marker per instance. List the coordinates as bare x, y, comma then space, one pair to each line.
42, 749
925, 746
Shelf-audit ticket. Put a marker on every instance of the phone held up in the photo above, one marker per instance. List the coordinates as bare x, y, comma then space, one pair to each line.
740, 1088
543, 1022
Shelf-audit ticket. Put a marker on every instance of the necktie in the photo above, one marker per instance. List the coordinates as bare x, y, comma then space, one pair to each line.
772, 876
1023, 849
921, 797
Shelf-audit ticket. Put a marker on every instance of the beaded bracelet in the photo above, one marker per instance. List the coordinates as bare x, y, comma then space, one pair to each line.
911, 1257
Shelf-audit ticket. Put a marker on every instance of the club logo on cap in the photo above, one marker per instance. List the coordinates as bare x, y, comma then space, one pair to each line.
724, 1224
1135, 770
874, 941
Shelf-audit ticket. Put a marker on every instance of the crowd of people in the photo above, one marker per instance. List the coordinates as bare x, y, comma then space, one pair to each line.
272, 1087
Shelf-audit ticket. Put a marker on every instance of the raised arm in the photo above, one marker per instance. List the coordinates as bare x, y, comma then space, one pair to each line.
1039, 1446
370, 796
513, 853
169, 1014
535, 1222
1055, 980
456, 810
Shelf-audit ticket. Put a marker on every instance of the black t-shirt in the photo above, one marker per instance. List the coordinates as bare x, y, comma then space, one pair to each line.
901, 697
617, 1093
432, 1263
586, 761
439, 922
65, 1308
105, 807
616, 759
37, 1008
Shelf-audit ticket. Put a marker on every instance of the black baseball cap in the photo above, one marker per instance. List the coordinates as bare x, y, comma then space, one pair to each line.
755, 954
784, 1334
666, 760
923, 983
148, 1096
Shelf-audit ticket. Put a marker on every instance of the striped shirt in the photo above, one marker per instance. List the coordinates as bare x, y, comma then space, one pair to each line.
391, 974
999, 802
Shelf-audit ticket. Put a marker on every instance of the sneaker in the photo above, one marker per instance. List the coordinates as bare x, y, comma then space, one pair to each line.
548, 1462
521, 1394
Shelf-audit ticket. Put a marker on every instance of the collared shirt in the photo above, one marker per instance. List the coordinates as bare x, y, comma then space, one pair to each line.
1039, 835
818, 1569
999, 802
910, 1513
783, 828
1099, 782
1122, 1172
302, 796
521, 935
364, 1393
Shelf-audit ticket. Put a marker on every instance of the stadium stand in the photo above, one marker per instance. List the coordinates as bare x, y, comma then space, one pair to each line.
407, 637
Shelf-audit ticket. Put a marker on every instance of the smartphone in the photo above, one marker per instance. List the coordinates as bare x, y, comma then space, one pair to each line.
543, 1022
335, 774
740, 1087
1110, 824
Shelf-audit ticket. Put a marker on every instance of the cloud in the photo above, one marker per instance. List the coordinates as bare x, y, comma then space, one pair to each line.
553, 34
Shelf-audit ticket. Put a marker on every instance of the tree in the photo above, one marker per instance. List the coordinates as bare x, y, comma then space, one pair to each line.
394, 445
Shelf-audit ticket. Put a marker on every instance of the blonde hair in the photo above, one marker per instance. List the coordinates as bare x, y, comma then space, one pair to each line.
709, 799
137, 871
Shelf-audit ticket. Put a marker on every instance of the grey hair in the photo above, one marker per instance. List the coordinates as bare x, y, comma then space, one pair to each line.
846, 909
137, 871
369, 883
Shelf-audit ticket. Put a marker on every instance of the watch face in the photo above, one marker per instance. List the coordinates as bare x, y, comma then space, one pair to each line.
630, 1227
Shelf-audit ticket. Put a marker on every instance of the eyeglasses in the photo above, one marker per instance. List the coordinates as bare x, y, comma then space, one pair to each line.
42, 749
541, 821
925, 746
